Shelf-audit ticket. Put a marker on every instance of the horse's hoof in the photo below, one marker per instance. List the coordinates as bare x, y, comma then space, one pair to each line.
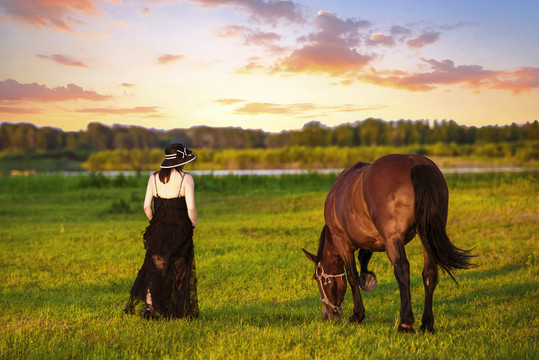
368, 281
428, 328
407, 329
357, 319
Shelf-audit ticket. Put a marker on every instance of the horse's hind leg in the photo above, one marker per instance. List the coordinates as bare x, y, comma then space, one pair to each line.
367, 279
397, 256
430, 279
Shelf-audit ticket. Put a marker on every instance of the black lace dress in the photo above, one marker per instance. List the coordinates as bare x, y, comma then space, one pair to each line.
168, 273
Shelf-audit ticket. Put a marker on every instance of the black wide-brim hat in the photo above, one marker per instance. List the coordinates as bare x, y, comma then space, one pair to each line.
177, 155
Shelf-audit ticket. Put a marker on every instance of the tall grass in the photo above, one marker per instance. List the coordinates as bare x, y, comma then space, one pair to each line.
68, 258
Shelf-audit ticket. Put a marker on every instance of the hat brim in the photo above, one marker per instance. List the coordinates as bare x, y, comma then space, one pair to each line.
169, 164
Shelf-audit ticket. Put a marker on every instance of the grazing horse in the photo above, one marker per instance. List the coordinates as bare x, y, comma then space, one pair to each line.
381, 207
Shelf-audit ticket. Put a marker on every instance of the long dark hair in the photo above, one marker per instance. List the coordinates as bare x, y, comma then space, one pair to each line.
164, 173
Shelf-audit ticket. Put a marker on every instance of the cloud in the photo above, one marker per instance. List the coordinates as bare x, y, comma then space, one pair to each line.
332, 25
399, 30
264, 11
251, 36
523, 79
380, 39
127, 85
58, 14
63, 60
298, 109
168, 58
229, 101
11, 91
121, 111
443, 73
332, 50
424, 39
10, 110
97, 36
251, 67
123, 25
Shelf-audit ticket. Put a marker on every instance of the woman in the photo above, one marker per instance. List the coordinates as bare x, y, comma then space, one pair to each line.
166, 283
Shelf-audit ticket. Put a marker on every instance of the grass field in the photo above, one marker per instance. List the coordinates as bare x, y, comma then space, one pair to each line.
70, 248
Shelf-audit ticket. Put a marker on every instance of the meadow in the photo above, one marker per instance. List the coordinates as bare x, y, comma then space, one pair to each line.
70, 247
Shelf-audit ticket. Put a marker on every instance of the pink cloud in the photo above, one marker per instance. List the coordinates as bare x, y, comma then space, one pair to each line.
380, 39
250, 36
11, 110
122, 111
63, 60
12, 91
332, 25
446, 73
59, 14
168, 58
333, 59
424, 39
331, 50
263, 11
523, 79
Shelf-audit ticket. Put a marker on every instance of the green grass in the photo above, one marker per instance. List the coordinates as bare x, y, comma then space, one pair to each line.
70, 248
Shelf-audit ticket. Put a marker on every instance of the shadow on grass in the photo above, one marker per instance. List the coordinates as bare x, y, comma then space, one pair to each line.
108, 297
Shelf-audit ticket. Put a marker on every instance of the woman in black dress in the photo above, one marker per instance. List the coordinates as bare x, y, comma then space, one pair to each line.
166, 282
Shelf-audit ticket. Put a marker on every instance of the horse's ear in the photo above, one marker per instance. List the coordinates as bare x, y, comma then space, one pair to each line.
309, 255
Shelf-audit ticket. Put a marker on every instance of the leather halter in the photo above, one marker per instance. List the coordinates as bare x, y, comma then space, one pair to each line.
327, 280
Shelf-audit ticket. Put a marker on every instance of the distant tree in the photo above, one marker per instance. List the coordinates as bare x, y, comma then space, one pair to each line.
513, 133
100, 136
531, 130
174, 136
312, 134
23, 136
372, 132
142, 138
489, 134
47, 138
71, 140
345, 135
277, 140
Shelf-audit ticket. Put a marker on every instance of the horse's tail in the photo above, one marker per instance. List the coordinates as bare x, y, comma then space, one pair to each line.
430, 221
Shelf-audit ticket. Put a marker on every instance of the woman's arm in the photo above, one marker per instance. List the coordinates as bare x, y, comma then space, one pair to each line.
189, 188
148, 199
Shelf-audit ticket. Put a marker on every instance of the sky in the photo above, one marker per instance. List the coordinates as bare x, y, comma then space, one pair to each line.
267, 64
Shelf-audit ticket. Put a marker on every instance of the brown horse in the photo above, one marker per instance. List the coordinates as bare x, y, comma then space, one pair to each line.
381, 207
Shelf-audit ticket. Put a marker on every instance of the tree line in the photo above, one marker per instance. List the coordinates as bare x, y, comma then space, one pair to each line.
369, 132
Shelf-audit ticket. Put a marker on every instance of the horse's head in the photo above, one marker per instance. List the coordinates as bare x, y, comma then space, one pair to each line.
331, 281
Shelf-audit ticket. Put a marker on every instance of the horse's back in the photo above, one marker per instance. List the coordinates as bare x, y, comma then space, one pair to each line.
372, 202
389, 192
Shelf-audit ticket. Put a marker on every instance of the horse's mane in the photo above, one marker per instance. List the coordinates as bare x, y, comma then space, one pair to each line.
361, 164
321, 245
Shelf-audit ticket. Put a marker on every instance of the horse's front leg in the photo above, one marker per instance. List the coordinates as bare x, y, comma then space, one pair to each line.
397, 256
353, 280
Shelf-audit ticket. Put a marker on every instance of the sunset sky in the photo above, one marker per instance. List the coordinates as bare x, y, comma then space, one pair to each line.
267, 64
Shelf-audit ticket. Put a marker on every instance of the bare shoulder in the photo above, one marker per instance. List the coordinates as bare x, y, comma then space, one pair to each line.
188, 179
